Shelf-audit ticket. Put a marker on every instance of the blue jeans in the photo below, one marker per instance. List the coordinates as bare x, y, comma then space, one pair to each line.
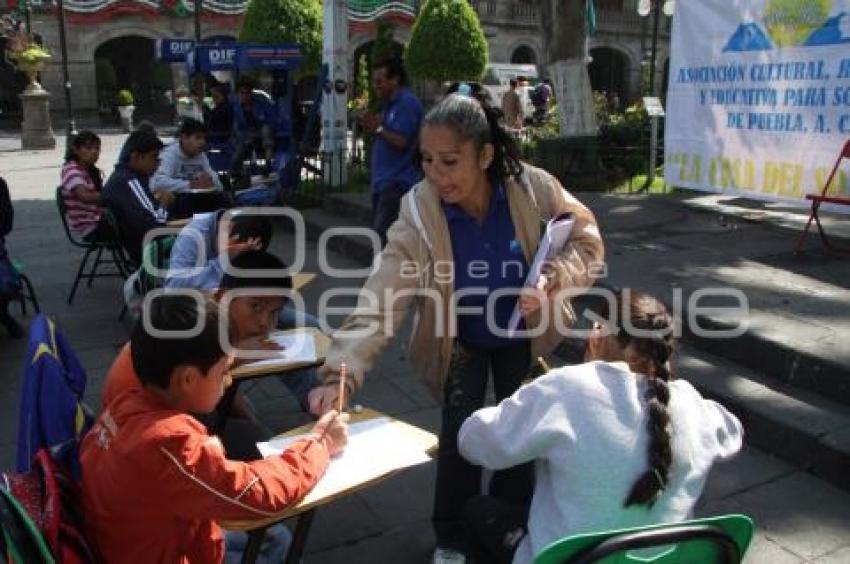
299, 382
273, 551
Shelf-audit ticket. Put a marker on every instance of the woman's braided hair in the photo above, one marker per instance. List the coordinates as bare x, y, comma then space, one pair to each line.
646, 330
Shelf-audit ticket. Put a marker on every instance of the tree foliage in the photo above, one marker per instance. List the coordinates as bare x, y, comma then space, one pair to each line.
287, 21
447, 43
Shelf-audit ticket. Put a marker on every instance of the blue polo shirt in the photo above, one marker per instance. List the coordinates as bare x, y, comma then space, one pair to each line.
402, 115
487, 257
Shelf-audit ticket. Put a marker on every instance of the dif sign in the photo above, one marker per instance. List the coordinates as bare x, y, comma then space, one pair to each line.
173, 50
208, 58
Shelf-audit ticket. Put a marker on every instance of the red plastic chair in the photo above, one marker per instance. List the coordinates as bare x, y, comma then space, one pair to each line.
818, 199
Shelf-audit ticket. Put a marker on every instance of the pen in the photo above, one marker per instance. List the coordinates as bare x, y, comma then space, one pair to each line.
343, 373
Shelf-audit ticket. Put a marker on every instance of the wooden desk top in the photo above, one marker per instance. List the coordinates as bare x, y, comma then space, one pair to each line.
322, 343
179, 222
427, 441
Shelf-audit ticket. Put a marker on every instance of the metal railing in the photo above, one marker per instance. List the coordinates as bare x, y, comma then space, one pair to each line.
524, 13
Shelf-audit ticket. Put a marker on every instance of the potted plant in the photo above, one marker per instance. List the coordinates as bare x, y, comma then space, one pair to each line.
125, 109
30, 61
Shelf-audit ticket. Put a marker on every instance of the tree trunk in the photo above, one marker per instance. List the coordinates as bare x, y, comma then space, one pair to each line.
564, 32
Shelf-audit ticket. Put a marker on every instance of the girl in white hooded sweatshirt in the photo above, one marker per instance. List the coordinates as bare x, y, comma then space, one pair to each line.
616, 442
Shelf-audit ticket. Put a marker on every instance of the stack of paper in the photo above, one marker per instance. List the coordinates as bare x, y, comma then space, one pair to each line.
297, 347
375, 448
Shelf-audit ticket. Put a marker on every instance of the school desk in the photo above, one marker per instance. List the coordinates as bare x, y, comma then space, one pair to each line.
322, 344
306, 509
179, 222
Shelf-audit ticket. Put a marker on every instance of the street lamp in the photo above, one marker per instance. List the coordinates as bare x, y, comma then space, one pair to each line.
656, 8
198, 5
63, 45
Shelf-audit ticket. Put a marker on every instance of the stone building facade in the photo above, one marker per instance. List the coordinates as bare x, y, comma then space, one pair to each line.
124, 32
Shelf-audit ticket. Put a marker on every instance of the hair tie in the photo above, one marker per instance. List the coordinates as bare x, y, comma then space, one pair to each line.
464, 89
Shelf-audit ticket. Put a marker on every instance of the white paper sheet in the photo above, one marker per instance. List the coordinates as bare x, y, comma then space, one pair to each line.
297, 347
557, 233
375, 447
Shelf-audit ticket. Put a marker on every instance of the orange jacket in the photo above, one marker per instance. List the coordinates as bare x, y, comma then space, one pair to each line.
155, 483
120, 378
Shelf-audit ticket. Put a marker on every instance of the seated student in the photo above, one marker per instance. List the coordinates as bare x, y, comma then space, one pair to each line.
127, 194
82, 183
184, 167
617, 443
124, 155
196, 256
154, 482
9, 282
250, 318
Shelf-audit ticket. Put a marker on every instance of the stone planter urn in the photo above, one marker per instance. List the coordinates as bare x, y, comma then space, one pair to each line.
36, 130
31, 68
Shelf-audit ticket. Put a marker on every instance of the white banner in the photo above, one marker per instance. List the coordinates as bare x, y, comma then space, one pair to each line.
759, 97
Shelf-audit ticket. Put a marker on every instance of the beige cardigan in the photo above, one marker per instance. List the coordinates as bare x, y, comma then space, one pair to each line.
414, 269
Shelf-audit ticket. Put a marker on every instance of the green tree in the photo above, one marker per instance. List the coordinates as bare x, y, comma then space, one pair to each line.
287, 21
447, 43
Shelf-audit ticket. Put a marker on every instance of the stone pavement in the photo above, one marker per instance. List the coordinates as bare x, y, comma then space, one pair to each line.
800, 518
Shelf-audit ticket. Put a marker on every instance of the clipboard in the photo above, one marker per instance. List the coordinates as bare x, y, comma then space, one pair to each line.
555, 237
321, 342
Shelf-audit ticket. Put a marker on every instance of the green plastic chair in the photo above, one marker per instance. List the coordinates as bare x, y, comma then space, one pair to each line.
20, 540
721, 540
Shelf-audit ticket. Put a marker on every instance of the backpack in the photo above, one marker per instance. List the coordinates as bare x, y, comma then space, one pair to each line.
20, 540
52, 414
540, 95
52, 501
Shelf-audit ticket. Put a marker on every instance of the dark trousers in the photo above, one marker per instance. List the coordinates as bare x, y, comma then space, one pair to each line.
495, 529
464, 393
385, 207
188, 204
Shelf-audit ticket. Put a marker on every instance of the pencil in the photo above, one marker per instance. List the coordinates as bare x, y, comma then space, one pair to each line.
543, 364
343, 373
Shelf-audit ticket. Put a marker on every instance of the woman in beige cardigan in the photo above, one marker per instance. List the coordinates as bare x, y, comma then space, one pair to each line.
469, 229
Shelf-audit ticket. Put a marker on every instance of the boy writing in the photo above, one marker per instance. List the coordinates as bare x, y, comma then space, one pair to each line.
154, 482
250, 317
185, 171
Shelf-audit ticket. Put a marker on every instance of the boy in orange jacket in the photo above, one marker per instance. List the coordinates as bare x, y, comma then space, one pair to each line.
154, 481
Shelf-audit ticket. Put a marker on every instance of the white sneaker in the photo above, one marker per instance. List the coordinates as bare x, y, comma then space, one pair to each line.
448, 556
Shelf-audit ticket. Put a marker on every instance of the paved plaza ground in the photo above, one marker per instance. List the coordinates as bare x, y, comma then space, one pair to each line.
800, 516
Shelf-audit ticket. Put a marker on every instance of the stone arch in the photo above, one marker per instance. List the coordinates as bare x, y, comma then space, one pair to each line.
128, 62
523, 54
610, 70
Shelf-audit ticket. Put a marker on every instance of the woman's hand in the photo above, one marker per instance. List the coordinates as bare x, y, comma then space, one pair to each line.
333, 427
325, 398
532, 299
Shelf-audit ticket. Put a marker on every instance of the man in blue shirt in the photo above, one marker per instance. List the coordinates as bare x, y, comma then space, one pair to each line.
396, 131
253, 124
